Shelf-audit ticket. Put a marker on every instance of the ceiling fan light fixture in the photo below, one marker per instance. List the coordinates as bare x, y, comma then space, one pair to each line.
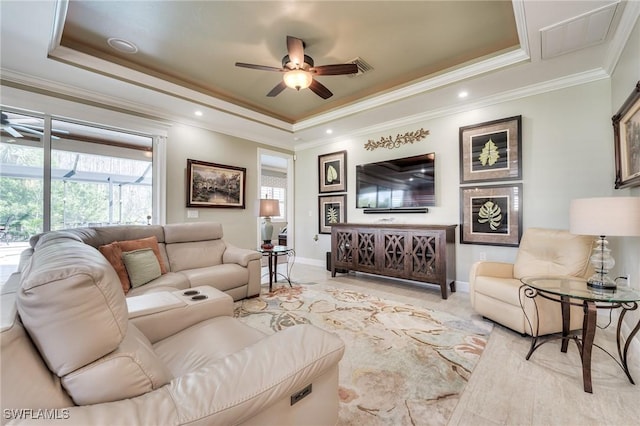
297, 79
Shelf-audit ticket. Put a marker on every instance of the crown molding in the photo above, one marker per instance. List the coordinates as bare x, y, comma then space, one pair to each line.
506, 96
619, 41
485, 66
224, 124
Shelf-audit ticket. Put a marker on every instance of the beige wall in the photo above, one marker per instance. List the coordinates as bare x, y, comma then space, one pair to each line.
567, 153
186, 142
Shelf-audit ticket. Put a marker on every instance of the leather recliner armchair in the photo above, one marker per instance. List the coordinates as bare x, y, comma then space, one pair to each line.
69, 343
495, 288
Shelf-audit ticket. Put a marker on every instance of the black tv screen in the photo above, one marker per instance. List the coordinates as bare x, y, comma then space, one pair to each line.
397, 184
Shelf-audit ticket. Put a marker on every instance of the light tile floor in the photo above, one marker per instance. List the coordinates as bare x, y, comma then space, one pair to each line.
506, 389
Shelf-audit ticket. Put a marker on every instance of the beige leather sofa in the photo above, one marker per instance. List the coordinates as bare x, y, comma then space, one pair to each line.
74, 348
495, 287
194, 254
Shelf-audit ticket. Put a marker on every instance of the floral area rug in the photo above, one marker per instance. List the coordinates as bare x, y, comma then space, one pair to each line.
403, 365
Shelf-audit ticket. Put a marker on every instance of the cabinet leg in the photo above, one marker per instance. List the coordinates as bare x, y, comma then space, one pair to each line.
453, 286
443, 290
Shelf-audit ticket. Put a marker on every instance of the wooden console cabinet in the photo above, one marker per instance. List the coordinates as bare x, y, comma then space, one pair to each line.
423, 253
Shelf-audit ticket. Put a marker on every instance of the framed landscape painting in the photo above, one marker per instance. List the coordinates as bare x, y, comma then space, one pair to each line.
215, 185
331, 209
626, 129
491, 215
332, 172
491, 151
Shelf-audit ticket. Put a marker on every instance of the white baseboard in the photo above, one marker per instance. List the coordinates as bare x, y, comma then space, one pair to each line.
312, 262
462, 286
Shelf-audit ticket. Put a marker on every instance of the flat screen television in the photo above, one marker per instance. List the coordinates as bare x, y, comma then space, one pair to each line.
402, 184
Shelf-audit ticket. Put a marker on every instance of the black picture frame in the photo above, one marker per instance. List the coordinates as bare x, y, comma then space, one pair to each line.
331, 209
332, 172
215, 185
626, 131
491, 151
491, 215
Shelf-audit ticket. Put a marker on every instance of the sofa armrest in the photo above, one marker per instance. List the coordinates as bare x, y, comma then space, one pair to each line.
160, 315
491, 269
241, 256
231, 390
488, 269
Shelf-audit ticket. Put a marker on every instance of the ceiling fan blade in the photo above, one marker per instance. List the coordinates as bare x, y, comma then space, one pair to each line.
295, 47
11, 131
276, 90
259, 67
37, 133
40, 129
320, 90
337, 69
28, 130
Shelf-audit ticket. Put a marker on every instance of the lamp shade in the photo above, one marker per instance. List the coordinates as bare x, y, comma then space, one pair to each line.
609, 216
269, 207
297, 79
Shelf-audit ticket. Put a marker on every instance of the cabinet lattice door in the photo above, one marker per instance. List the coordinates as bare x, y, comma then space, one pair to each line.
394, 252
343, 249
366, 251
424, 261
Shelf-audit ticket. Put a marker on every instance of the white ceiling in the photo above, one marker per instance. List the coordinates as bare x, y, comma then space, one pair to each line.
234, 103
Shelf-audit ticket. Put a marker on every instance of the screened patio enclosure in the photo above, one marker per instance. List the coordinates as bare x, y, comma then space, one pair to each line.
58, 174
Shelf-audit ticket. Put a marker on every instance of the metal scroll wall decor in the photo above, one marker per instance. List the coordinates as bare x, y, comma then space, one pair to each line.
391, 143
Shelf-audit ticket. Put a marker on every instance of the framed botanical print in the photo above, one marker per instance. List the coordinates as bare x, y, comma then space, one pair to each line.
491, 215
491, 151
332, 172
332, 209
626, 127
215, 185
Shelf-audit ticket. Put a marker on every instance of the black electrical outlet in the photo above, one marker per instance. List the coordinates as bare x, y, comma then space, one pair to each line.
299, 395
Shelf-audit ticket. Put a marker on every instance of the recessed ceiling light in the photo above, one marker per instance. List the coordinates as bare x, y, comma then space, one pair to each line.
198, 113
121, 45
463, 94
329, 131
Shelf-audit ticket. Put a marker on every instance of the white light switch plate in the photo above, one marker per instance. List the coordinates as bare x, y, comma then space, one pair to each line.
192, 214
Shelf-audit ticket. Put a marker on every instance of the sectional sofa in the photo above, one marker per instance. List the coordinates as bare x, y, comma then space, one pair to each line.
190, 255
77, 350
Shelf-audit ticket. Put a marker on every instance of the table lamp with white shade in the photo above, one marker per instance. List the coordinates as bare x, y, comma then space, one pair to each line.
604, 216
268, 209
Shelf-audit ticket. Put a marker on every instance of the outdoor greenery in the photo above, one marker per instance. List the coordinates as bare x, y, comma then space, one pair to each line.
74, 203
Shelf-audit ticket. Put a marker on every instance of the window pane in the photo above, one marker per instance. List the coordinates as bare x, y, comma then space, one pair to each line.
274, 185
99, 176
21, 187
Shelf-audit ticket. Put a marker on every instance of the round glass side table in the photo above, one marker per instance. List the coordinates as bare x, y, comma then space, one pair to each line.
571, 291
272, 262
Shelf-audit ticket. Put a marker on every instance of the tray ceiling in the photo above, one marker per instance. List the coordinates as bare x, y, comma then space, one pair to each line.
195, 44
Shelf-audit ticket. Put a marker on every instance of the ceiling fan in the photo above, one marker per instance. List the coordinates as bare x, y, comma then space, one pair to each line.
299, 70
14, 129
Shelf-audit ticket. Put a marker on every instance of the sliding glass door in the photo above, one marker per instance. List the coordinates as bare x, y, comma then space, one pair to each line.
59, 174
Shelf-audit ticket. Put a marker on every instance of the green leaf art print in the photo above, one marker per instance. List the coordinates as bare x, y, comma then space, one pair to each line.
490, 212
332, 174
332, 215
489, 154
